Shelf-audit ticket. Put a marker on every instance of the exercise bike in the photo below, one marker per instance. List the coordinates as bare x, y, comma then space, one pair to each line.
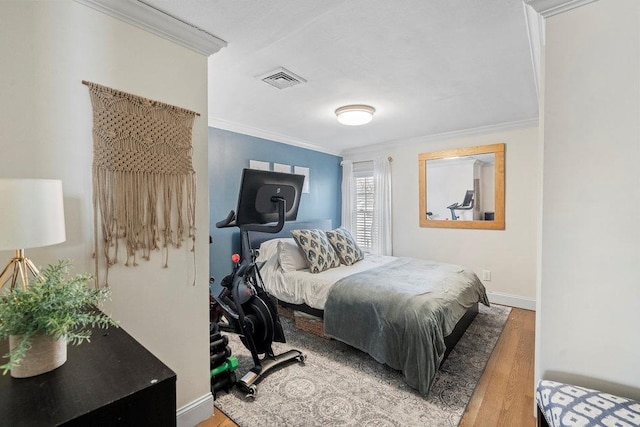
243, 306
467, 204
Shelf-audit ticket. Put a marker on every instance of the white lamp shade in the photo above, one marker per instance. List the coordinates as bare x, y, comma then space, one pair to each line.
31, 213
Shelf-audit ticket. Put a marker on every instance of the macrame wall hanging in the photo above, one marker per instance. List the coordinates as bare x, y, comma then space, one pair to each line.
143, 178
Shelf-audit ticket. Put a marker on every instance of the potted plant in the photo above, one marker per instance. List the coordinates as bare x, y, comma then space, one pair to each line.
51, 312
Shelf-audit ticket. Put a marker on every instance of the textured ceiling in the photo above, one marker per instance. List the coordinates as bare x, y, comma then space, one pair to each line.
427, 66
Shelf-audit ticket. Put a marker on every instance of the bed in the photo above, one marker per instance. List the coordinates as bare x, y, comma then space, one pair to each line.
404, 312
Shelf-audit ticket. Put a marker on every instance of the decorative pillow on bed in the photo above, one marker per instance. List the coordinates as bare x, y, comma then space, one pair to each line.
267, 250
290, 256
317, 250
345, 245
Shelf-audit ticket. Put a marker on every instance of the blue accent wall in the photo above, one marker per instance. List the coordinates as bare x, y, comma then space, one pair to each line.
229, 153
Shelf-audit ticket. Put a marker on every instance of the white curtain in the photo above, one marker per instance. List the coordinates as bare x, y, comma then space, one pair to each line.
348, 194
382, 238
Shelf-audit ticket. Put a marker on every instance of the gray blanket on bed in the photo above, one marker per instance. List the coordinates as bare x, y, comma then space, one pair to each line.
399, 313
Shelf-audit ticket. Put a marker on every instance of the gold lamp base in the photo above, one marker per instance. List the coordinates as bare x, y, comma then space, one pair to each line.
18, 269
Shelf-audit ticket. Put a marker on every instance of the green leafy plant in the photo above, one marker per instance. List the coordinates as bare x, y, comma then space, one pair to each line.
60, 305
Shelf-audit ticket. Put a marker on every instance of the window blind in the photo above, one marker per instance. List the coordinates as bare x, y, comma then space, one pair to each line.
364, 197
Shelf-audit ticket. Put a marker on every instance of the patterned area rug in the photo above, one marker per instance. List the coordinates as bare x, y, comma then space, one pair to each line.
341, 386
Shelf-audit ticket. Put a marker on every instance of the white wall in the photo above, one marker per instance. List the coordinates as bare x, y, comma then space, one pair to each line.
47, 49
509, 254
589, 291
447, 183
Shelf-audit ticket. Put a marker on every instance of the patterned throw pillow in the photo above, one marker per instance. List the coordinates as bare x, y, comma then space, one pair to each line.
317, 250
345, 245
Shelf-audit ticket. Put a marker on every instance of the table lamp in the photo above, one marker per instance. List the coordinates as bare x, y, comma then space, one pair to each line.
31, 216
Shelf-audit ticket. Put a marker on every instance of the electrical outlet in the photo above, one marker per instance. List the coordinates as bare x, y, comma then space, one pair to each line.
486, 275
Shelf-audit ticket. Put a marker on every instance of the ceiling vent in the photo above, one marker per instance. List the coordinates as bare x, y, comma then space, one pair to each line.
281, 78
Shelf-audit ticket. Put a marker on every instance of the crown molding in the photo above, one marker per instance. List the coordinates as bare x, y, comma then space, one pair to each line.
277, 137
548, 8
535, 13
265, 134
500, 127
155, 21
535, 33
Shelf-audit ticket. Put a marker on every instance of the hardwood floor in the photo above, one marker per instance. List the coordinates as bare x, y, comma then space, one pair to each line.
504, 394
219, 419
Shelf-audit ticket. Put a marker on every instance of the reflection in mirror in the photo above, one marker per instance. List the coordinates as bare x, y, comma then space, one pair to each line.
463, 188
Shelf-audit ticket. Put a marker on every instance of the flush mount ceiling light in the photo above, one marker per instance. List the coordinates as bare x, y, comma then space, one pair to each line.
354, 115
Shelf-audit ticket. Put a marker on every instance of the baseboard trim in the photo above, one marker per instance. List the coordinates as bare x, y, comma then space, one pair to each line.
512, 300
195, 412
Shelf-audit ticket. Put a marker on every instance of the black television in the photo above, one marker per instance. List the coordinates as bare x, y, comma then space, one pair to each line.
257, 190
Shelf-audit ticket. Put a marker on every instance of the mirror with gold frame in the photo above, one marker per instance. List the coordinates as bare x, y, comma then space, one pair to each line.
462, 188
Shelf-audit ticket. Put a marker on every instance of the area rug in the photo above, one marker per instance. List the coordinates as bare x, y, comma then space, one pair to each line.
341, 386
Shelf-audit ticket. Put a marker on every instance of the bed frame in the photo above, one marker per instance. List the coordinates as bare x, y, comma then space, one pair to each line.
256, 239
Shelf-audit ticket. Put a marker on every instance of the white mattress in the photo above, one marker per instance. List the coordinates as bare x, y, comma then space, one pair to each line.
302, 287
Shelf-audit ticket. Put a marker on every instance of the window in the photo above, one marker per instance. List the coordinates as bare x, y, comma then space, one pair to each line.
366, 204
364, 198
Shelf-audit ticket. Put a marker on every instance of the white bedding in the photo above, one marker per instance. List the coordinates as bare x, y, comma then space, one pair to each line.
398, 310
302, 287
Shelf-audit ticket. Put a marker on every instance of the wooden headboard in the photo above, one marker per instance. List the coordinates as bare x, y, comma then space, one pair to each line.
256, 237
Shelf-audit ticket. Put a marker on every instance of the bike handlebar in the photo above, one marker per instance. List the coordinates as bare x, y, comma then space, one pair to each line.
229, 221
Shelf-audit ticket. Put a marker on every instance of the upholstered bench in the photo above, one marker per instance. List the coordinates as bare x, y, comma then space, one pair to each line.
569, 405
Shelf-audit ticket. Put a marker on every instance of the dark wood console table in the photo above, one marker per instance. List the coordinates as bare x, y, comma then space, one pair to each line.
110, 381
